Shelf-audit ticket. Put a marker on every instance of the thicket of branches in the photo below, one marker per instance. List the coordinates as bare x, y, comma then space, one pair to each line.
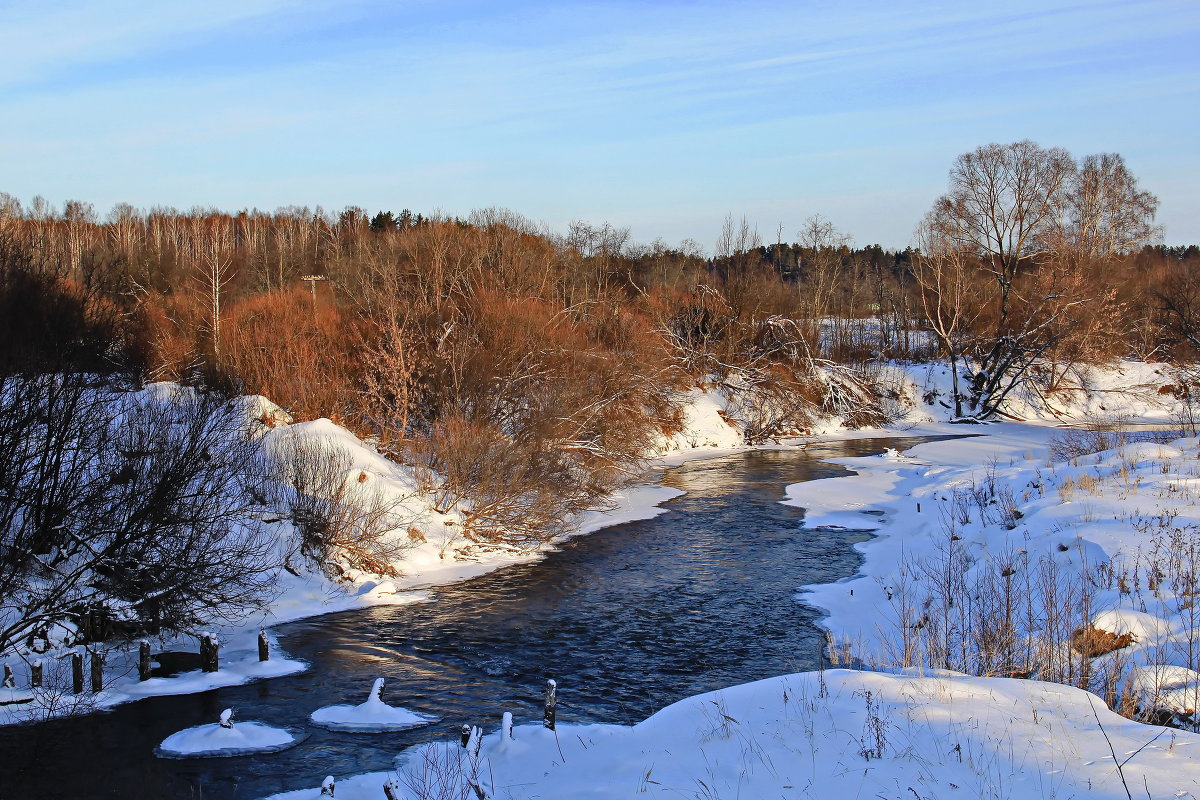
122, 513
529, 371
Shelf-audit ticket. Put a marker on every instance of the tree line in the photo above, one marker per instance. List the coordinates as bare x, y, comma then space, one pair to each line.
525, 372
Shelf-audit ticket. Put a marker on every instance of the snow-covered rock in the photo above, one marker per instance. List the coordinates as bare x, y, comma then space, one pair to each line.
228, 738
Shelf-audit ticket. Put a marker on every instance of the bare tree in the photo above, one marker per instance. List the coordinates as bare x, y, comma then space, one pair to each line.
947, 284
1107, 214
123, 514
1030, 219
822, 265
213, 273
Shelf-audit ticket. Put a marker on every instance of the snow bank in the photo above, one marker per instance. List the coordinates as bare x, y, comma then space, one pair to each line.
834, 734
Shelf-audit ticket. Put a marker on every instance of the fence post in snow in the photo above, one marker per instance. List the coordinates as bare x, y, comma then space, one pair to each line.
143, 661
97, 672
264, 647
76, 673
551, 701
506, 727
35, 674
466, 734
10, 680
210, 649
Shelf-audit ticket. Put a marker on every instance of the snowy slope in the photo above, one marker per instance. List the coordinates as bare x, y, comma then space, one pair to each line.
833, 734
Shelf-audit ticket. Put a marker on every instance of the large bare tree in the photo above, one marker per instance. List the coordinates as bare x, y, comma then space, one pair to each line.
1028, 219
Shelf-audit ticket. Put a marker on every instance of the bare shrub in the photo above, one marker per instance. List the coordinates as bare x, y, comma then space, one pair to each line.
123, 514
1090, 437
293, 348
512, 492
1091, 641
343, 519
444, 771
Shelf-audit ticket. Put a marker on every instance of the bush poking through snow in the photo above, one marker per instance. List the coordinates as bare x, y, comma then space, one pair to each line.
1090, 641
342, 520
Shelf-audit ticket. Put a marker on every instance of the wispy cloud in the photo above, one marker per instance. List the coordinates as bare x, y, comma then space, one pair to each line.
547, 106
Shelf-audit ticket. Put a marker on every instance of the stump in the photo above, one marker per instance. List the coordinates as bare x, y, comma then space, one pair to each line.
35, 674
551, 701
144, 661
210, 650
76, 673
264, 647
10, 680
97, 672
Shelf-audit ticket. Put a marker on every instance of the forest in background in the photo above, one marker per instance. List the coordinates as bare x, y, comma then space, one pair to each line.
509, 359
523, 374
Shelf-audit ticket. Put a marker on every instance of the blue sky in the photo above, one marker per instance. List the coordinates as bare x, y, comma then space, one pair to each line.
662, 116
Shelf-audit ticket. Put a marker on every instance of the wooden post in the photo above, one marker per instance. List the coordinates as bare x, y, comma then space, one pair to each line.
76, 673
35, 674
506, 733
210, 650
551, 701
10, 680
264, 647
466, 734
312, 287
97, 672
143, 661
327, 785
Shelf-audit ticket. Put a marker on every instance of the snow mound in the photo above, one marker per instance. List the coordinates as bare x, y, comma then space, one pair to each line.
225, 739
373, 716
833, 734
10, 696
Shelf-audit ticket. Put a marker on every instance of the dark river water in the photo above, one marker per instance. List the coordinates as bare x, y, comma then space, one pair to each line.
628, 619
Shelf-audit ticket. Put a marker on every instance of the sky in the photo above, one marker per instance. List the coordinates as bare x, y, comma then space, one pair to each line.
660, 116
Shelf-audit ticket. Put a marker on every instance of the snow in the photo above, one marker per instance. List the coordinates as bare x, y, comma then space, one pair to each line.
11, 696
839, 733
372, 716
227, 738
842, 732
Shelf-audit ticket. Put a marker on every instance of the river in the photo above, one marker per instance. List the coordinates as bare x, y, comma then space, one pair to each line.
627, 619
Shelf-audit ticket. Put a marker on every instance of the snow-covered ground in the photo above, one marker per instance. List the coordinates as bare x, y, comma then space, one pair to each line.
1007, 500
1025, 499
839, 733
1006, 552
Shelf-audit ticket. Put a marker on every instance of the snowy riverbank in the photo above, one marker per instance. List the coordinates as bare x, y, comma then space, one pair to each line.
834, 734
1020, 491
886, 484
